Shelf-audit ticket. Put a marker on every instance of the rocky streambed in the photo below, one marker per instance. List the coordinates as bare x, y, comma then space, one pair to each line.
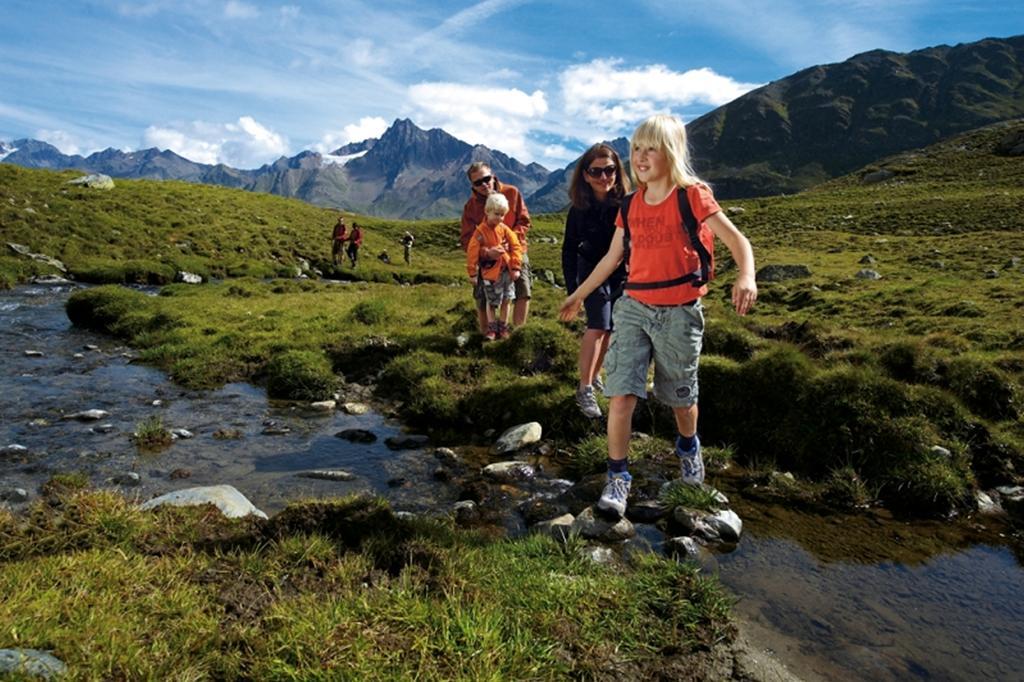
863, 596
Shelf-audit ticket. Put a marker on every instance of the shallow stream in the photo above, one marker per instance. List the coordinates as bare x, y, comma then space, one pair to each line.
836, 597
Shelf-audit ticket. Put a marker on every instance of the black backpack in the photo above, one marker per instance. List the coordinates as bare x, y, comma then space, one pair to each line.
692, 229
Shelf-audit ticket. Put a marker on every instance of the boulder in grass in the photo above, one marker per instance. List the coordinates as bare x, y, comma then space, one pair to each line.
31, 662
94, 181
188, 277
231, 503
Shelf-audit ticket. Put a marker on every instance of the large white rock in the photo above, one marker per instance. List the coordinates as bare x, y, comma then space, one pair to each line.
94, 181
232, 503
518, 437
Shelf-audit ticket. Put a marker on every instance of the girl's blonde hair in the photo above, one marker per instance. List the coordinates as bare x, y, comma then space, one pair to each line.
668, 134
496, 201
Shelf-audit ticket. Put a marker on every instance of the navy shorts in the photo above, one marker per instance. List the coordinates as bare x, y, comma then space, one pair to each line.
598, 305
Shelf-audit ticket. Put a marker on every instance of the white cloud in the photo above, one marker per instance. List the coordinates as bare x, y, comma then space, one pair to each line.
243, 144
603, 93
235, 9
499, 118
559, 153
368, 126
62, 140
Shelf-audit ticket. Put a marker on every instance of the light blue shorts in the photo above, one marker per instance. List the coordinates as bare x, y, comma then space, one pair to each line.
670, 336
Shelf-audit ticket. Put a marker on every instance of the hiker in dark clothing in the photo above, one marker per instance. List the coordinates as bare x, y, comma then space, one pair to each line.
355, 240
338, 238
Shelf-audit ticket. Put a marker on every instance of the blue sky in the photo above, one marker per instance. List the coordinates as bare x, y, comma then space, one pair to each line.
244, 82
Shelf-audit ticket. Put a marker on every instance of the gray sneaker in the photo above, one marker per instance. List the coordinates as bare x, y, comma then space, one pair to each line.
587, 402
598, 384
613, 498
691, 464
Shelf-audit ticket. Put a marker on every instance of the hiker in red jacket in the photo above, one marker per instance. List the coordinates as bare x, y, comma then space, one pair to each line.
338, 238
355, 240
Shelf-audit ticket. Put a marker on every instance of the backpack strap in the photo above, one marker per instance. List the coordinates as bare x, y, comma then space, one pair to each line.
690, 227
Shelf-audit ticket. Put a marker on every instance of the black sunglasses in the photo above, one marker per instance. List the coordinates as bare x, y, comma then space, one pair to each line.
485, 180
607, 171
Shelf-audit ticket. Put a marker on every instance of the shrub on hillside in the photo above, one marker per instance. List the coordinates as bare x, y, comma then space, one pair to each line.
540, 346
102, 308
372, 312
984, 389
139, 271
300, 375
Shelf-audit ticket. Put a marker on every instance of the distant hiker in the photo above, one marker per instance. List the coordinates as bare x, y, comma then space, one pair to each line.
596, 190
483, 183
495, 276
383, 257
667, 231
338, 237
407, 242
355, 240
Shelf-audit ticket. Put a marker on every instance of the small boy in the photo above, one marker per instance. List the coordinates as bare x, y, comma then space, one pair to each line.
498, 275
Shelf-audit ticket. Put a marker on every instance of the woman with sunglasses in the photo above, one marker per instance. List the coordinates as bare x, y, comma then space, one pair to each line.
596, 190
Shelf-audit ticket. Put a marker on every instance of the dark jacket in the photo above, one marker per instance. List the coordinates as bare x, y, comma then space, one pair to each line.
588, 234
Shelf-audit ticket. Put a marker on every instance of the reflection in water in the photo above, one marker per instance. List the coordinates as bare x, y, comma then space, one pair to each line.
868, 597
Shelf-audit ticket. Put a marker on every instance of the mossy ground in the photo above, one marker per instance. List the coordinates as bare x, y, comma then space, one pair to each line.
847, 382
340, 590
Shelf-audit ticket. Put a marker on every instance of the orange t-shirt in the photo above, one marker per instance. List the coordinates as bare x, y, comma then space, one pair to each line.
656, 240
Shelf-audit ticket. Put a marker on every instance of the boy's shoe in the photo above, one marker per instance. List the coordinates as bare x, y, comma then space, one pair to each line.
598, 384
492, 331
587, 402
691, 464
613, 497
503, 330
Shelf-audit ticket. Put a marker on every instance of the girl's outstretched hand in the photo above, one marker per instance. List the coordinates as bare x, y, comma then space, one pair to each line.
569, 309
744, 293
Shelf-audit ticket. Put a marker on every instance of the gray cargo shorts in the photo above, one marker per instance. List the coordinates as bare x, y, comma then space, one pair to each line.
671, 336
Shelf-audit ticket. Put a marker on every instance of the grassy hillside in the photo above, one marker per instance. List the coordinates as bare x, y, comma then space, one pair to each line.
832, 373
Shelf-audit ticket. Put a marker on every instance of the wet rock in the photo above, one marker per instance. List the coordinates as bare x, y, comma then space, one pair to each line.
407, 442
323, 405
91, 346
31, 662
1012, 499
13, 448
273, 428
727, 524
683, 548
447, 455
442, 474
227, 434
78, 356
188, 277
518, 437
14, 495
986, 505
540, 508
33, 353
509, 472
397, 482
465, 512
88, 415
867, 274
694, 524
328, 474
128, 479
183, 434
354, 408
590, 525
557, 528
49, 279
178, 474
780, 273
231, 503
646, 511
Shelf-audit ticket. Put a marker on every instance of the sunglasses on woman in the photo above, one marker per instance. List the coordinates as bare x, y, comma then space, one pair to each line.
485, 180
598, 171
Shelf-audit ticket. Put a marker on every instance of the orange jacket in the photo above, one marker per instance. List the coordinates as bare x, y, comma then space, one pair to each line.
518, 218
488, 236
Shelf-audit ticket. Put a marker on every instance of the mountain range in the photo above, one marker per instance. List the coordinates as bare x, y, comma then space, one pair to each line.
785, 136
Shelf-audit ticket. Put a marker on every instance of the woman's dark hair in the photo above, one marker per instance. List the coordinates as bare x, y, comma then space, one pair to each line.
580, 193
